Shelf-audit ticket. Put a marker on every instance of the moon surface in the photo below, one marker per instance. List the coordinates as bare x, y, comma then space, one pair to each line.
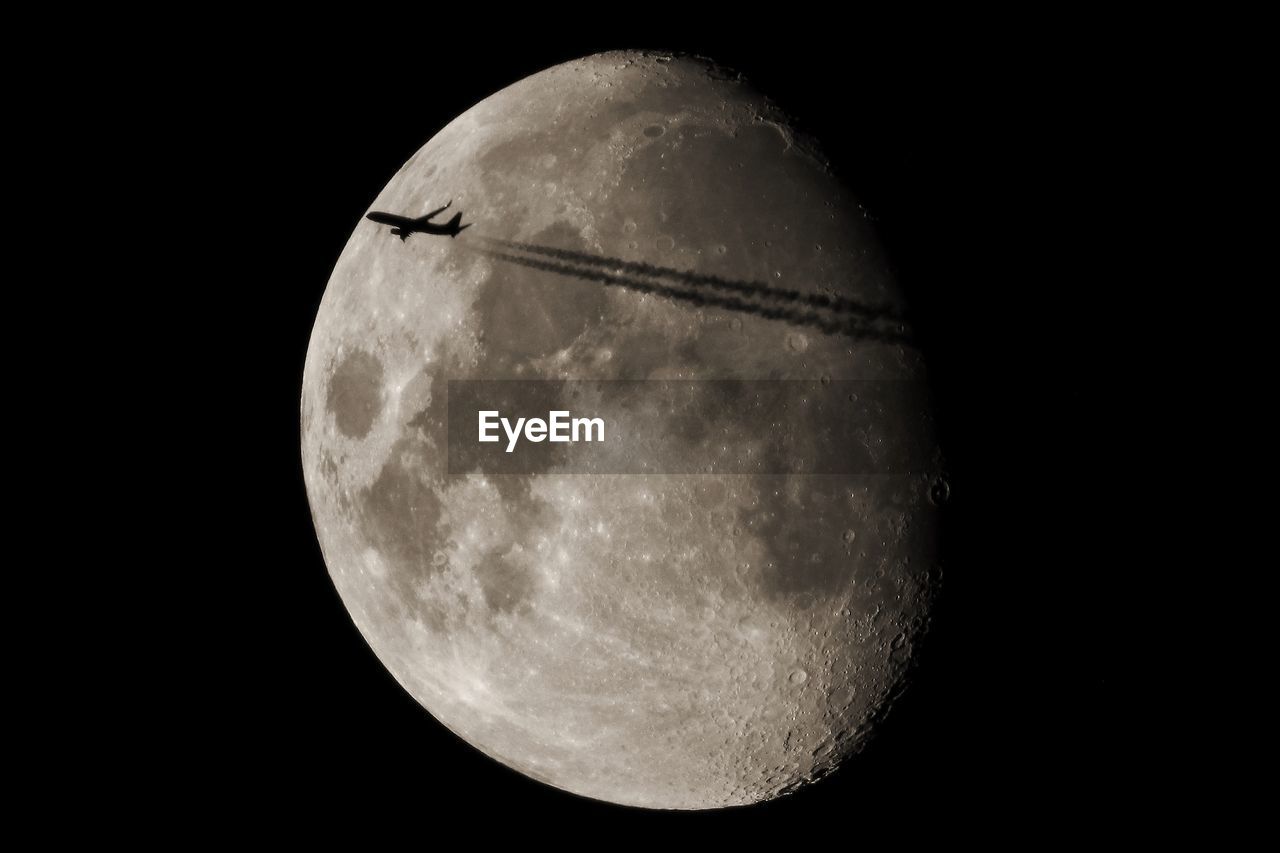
680, 641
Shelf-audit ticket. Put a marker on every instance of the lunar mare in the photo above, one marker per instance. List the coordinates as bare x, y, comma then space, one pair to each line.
667, 641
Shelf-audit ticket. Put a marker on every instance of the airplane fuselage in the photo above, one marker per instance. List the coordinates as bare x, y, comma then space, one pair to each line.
390, 219
403, 226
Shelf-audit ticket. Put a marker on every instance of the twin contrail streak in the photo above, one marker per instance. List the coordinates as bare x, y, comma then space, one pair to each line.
754, 289
830, 314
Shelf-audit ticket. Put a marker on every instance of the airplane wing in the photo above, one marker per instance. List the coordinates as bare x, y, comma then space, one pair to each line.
423, 219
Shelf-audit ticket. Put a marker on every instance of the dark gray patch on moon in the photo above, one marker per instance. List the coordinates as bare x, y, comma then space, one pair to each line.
399, 516
506, 585
355, 394
805, 545
525, 315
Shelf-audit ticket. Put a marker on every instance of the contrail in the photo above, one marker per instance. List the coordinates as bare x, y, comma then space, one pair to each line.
753, 289
849, 326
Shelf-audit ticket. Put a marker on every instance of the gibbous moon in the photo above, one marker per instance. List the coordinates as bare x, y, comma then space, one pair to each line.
677, 641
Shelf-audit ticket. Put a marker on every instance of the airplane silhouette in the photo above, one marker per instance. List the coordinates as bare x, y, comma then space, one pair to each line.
404, 225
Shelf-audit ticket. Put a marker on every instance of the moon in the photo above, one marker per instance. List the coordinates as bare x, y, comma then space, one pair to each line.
673, 641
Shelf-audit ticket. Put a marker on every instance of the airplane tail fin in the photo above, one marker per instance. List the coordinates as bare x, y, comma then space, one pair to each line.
454, 227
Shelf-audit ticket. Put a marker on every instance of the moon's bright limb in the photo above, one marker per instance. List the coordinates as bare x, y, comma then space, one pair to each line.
666, 641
